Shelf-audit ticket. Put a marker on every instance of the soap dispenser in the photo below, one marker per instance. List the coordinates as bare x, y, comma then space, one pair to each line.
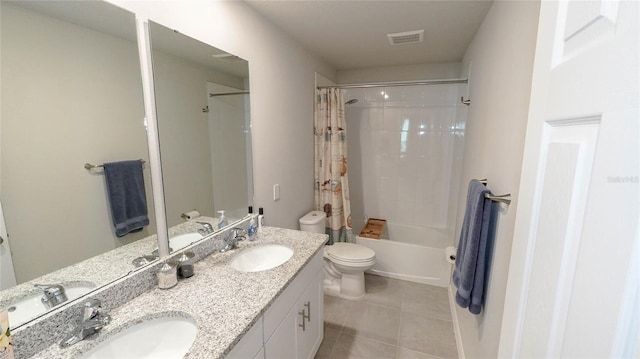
222, 222
260, 217
253, 227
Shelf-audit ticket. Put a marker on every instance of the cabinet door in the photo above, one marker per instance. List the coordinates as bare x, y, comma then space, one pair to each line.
282, 343
309, 335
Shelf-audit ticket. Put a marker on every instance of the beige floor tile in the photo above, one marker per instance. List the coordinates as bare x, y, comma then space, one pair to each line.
426, 300
404, 353
373, 321
331, 333
383, 291
336, 309
427, 335
354, 346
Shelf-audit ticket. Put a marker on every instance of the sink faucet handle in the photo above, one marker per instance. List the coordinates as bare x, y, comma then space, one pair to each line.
91, 308
50, 288
53, 294
236, 231
207, 226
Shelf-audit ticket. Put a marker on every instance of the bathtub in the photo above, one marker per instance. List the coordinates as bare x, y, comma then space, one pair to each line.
411, 253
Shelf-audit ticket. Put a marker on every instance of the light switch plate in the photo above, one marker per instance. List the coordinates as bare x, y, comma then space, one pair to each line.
276, 192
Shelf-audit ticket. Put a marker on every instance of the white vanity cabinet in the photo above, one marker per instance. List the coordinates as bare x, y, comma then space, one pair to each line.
310, 319
251, 344
293, 325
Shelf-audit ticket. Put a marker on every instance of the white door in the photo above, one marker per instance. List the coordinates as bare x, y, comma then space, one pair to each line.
7, 274
573, 289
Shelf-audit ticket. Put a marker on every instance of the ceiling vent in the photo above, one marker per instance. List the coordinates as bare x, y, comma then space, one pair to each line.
408, 37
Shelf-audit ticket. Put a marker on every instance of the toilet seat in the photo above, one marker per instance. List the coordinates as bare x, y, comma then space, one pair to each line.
350, 254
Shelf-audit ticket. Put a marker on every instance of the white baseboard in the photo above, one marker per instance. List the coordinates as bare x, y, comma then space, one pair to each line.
456, 325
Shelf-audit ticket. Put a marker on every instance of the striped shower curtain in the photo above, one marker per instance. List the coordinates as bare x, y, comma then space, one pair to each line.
331, 182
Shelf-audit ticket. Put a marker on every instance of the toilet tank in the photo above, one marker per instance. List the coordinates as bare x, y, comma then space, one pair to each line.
313, 221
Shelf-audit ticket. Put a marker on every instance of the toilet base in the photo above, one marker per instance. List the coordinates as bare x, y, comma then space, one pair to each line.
352, 286
348, 286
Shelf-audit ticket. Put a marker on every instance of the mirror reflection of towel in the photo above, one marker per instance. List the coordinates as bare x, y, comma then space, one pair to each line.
127, 197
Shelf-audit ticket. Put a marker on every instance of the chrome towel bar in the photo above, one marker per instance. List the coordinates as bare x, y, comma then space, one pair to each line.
90, 166
496, 198
501, 198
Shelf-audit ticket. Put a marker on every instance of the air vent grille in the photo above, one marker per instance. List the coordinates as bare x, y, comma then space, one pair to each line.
407, 37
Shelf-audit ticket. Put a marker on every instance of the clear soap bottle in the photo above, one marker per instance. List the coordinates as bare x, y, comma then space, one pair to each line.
253, 226
222, 221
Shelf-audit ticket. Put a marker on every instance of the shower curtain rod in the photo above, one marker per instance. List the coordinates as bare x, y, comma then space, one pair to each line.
398, 83
228, 93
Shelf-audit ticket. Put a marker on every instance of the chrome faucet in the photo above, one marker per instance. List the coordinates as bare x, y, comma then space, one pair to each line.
145, 259
208, 228
53, 294
92, 321
231, 242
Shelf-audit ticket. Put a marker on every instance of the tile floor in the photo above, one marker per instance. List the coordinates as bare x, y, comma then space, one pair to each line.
395, 320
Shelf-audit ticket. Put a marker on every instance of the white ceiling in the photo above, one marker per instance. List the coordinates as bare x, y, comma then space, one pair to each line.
352, 34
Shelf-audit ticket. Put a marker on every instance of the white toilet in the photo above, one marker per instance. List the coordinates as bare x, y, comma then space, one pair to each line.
344, 263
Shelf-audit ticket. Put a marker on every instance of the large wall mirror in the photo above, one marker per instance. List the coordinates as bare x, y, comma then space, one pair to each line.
71, 94
202, 102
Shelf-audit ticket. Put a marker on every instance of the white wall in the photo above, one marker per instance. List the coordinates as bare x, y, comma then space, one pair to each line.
443, 70
500, 59
70, 95
282, 85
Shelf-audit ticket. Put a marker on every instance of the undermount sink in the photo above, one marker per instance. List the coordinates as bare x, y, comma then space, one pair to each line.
184, 240
27, 308
162, 338
260, 258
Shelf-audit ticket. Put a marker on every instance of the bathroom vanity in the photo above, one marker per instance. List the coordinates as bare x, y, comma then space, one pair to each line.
292, 326
274, 313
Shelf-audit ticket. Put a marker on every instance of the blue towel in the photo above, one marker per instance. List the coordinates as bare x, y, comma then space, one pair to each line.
469, 272
127, 197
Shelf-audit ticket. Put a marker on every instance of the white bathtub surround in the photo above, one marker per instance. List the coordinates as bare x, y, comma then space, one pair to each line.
330, 166
405, 152
413, 253
405, 147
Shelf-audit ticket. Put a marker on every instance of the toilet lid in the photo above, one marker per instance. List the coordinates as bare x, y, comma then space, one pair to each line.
350, 252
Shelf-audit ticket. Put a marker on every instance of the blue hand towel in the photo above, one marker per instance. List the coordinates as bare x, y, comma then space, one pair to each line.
127, 197
469, 271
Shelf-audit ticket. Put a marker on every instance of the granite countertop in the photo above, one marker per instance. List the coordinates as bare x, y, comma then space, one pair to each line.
101, 269
223, 302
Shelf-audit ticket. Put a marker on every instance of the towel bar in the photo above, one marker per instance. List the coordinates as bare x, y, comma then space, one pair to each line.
501, 198
90, 166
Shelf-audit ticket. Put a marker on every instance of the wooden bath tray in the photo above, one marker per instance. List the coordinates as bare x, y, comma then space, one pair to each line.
374, 228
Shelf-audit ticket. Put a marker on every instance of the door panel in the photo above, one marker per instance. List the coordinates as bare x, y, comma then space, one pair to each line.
573, 281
